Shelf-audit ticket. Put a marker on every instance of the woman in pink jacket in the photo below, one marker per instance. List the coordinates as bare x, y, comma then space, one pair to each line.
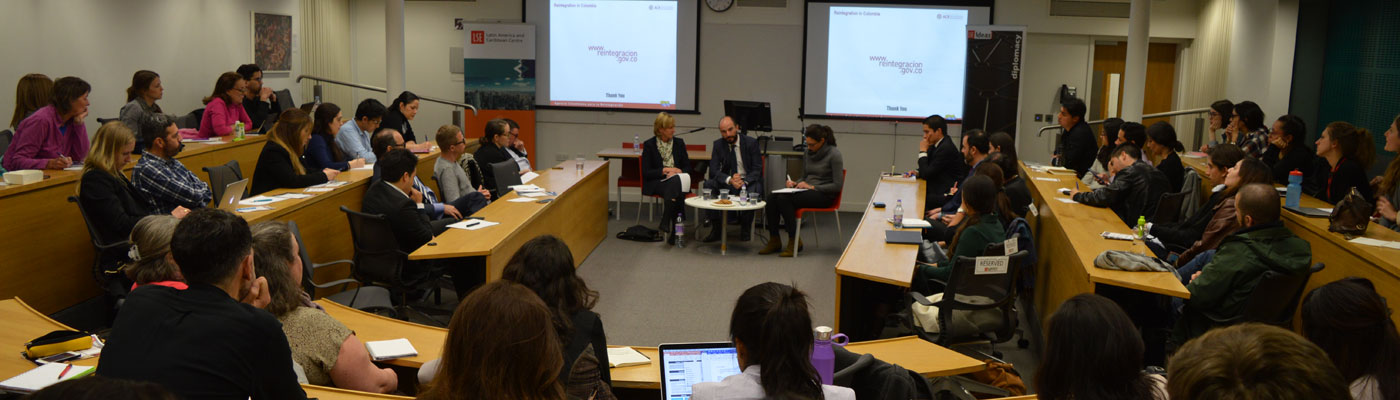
54, 137
225, 107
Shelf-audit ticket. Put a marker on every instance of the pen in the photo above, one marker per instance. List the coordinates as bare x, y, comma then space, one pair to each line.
65, 371
1076, 185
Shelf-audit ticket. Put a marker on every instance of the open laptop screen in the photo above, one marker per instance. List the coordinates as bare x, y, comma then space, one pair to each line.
683, 365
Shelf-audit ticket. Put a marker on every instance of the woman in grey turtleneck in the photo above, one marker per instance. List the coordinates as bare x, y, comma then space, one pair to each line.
825, 175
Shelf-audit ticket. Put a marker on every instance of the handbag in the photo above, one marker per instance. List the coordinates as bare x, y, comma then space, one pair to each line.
1351, 216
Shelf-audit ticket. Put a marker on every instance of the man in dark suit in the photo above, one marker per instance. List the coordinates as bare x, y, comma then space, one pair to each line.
734, 163
394, 197
940, 163
1078, 148
492, 151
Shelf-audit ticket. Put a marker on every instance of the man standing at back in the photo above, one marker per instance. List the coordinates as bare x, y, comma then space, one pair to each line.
940, 164
164, 179
734, 164
199, 341
1078, 147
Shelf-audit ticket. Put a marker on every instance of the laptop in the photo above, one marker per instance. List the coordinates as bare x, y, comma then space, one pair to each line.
904, 237
686, 364
1310, 212
233, 193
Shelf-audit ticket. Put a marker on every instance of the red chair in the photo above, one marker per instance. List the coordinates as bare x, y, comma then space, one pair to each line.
835, 206
695, 180
631, 176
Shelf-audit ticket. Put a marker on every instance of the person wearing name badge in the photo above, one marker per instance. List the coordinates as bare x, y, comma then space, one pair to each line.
771, 328
54, 137
735, 163
825, 170
663, 157
454, 182
329, 352
516, 147
403, 110
141, 98
160, 175
279, 164
354, 136
321, 150
259, 101
224, 108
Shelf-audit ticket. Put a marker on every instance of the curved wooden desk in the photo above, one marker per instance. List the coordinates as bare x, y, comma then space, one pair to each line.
869, 265
330, 393
428, 340
22, 324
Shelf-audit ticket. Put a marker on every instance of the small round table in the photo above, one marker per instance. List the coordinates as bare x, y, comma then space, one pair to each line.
700, 203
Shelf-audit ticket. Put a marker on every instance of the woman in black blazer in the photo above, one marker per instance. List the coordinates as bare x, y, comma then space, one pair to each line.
403, 110
492, 151
279, 164
109, 200
658, 167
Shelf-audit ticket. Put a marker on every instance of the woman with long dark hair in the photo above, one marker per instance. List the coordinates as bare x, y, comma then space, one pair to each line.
1388, 185
224, 107
1093, 352
772, 331
1288, 150
1220, 112
141, 98
1162, 147
1349, 151
981, 226
500, 345
321, 149
546, 266
1351, 322
1224, 221
1181, 235
1247, 126
401, 111
279, 164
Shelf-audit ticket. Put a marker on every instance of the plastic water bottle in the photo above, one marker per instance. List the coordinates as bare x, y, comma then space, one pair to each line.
1140, 234
680, 232
238, 130
898, 216
1295, 189
823, 356
636, 144
744, 193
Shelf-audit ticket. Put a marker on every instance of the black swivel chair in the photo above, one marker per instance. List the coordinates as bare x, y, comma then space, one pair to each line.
106, 263
968, 292
368, 298
191, 120
1263, 304
378, 260
507, 174
6, 136
222, 175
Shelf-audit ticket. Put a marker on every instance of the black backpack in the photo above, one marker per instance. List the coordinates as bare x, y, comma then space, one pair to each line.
640, 233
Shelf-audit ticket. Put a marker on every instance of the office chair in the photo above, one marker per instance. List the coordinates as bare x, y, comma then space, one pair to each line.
222, 175
366, 298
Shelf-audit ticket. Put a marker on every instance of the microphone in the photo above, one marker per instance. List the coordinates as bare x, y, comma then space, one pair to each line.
691, 131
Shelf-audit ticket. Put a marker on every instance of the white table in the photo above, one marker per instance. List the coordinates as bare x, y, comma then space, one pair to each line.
700, 203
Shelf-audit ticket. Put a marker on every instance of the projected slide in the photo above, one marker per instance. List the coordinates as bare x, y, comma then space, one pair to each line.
896, 62
614, 54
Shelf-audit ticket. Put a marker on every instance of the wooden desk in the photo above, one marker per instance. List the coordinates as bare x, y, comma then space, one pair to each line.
47, 255
330, 393
23, 323
868, 263
1068, 239
1344, 259
578, 215
428, 340
912, 353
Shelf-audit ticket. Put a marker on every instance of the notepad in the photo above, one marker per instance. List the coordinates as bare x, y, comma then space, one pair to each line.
1065, 200
528, 176
382, 350
912, 223
43, 376
789, 190
626, 357
523, 200
472, 224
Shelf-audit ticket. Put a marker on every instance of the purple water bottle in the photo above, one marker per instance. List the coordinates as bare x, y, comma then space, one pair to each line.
823, 357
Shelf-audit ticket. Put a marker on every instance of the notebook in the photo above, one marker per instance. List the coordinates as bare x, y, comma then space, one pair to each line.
626, 357
382, 350
904, 237
686, 364
42, 376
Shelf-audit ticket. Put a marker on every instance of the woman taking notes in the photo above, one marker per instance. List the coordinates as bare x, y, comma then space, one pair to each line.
403, 110
321, 150
279, 164
54, 137
978, 229
824, 180
224, 107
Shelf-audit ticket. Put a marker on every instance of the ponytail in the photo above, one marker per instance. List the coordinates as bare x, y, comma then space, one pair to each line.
773, 323
1354, 142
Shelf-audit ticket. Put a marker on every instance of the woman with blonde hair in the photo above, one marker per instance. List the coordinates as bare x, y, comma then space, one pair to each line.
279, 164
663, 157
501, 344
111, 203
33, 92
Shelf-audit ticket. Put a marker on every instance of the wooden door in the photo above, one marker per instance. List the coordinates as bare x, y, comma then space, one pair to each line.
1161, 77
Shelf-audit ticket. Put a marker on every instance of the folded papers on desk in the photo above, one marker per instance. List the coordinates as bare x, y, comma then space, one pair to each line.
390, 349
626, 357
528, 176
43, 376
472, 224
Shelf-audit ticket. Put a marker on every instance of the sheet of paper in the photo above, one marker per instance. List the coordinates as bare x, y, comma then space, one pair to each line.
472, 224
1376, 242
333, 184
1065, 200
259, 200
74, 167
526, 188
294, 196
916, 223
253, 209
367, 167
625, 357
529, 176
1041, 178
789, 190
314, 189
523, 200
533, 194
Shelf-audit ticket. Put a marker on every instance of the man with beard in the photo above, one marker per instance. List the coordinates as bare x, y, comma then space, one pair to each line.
734, 163
163, 178
258, 101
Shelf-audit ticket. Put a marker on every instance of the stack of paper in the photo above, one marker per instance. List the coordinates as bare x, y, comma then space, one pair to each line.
43, 376
529, 176
626, 357
367, 167
522, 189
390, 349
789, 190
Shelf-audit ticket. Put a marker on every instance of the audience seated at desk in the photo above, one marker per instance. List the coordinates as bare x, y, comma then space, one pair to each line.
1348, 152
159, 175
34, 91
1248, 130
1253, 360
166, 335
321, 149
453, 180
492, 151
1134, 191
1351, 322
1077, 144
150, 259
403, 110
1108, 136
1223, 222
224, 108
945, 226
1161, 148
663, 157
1222, 286
112, 203
279, 164
516, 147
388, 139
141, 98
54, 137
1388, 185
329, 353
475, 178
545, 265
979, 228
354, 136
1288, 150
1094, 352
826, 174
975, 146
772, 331
735, 164
1004, 156
395, 197
1220, 112
258, 101
1217, 215
501, 344
940, 165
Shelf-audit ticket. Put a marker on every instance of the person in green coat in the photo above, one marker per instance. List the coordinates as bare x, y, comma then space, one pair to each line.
980, 227
1263, 244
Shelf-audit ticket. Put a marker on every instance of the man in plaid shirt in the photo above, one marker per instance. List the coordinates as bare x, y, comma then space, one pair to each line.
163, 178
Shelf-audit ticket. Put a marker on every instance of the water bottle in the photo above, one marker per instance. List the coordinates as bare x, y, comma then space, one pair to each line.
898, 217
1139, 234
238, 130
680, 232
1295, 188
823, 357
744, 193
636, 144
